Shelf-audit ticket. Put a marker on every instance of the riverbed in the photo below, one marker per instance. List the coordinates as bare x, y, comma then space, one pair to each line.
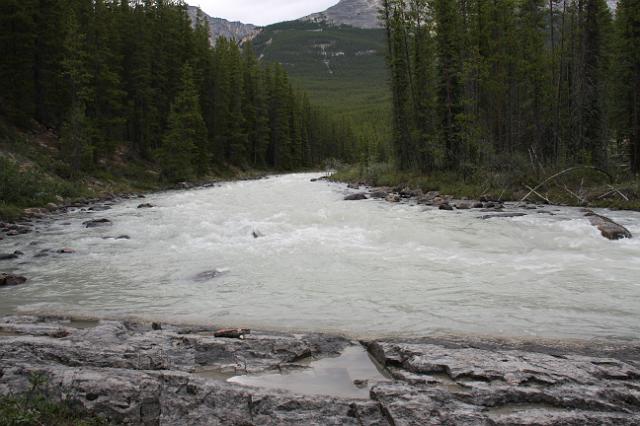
360, 268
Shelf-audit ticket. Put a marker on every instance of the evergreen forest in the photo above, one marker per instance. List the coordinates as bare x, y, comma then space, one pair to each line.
524, 84
138, 82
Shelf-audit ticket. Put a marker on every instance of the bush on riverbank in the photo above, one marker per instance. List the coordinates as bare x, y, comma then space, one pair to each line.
507, 183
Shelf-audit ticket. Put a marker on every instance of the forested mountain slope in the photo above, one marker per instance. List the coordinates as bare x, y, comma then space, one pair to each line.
120, 85
341, 67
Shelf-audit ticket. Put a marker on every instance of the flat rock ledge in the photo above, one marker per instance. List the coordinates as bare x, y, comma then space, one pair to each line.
139, 374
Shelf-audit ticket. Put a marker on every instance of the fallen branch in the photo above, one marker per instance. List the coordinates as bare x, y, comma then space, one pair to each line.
564, 172
618, 192
578, 197
533, 191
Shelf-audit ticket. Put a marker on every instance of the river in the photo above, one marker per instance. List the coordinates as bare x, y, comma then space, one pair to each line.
362, 268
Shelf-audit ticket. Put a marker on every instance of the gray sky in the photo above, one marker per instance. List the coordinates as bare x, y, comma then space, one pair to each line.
261, 12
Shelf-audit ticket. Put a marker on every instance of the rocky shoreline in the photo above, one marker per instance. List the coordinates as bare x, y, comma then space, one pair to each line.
489, 208
133, 373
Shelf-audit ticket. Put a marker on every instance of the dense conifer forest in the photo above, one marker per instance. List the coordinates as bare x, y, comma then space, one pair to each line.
524, 84
138, 80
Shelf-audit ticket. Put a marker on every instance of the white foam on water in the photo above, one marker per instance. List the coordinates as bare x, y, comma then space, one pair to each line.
363, 268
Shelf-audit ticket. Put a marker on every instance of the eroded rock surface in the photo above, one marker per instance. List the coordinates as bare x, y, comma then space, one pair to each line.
140, 374
448, 382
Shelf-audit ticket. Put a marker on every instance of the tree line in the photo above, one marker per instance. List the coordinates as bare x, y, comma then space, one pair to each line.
481, 83
139, 77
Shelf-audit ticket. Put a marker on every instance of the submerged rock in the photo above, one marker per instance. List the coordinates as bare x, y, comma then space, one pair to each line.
608, 228
99, 208
146, 206
502, 216
356, 197
208, 275
257, 234
11, 280
97, 223
10, 256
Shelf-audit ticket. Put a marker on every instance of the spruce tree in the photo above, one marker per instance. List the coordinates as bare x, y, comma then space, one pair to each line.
186, 134
627, 80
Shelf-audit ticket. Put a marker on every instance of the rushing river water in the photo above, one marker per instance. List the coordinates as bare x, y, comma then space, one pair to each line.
364, 268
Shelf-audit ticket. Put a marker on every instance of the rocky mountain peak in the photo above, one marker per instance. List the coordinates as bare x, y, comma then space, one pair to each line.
222, 28
356, 13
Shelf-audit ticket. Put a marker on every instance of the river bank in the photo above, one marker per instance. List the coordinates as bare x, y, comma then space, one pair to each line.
162, 374
575, 186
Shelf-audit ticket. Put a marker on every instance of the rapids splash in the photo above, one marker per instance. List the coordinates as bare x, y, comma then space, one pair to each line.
365, 268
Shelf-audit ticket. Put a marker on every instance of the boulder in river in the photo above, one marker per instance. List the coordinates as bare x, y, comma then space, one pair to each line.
11, 280
446, 206
378, 194
607, 227
146, 206
97, 223
393, 198
356, 197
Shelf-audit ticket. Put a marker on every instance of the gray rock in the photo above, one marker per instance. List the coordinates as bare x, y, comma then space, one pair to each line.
502, 216
99, 208
146, 206
356, 197
393, 198
144, 374
454, 382
11, 280
378, 194
446, 206
10, 256
607, 227
97, 223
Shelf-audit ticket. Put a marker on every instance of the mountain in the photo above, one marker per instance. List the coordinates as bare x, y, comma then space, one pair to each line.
356, 13
222, 28
342, 68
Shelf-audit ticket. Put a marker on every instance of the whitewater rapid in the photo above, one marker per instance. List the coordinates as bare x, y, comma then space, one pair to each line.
362, 268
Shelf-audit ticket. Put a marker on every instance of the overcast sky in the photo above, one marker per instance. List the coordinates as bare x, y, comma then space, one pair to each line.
261, 12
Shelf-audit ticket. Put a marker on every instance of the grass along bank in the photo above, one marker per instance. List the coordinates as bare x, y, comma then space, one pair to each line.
580, 186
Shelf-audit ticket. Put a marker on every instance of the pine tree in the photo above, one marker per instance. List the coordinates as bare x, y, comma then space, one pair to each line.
627, 80
77, 130
186, 133
17, 47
